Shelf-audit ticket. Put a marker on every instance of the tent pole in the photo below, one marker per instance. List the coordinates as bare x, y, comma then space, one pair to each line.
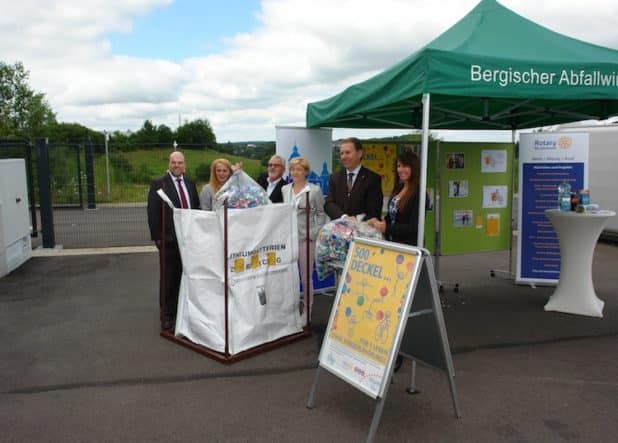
513, 172
423, 178
509, 272
423, 189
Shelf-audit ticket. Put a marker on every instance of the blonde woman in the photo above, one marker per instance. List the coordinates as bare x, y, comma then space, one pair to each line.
220, 172
296, 193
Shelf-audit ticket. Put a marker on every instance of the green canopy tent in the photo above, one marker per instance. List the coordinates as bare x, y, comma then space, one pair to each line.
494, 69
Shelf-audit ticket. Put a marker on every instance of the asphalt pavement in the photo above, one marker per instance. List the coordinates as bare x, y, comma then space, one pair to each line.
82, 360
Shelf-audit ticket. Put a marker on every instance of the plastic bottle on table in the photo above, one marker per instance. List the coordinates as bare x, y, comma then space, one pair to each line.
584, 197
564, 196
574, 200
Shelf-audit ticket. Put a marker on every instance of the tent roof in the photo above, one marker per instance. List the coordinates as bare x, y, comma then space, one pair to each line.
494, 69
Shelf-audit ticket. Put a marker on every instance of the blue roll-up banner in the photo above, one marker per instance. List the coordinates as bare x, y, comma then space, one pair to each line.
316, 146
545, 161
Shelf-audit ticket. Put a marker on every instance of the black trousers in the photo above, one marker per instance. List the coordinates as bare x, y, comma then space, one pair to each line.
171, 274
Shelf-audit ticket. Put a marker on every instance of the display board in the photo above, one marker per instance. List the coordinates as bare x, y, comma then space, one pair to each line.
431, 189
381, 158
545, 161
475, 196
366, 323
387, 304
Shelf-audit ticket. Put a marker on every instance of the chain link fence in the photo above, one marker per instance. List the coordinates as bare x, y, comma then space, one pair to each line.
98, 196
98, 192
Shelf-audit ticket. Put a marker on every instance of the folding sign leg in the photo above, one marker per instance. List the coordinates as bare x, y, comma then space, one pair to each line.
446, 351
314, 388
454, 395
375, 422
412, 387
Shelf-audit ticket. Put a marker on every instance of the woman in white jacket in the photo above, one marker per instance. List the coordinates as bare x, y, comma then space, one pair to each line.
296, 193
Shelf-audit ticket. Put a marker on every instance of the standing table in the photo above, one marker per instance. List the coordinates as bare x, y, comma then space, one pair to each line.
578, 234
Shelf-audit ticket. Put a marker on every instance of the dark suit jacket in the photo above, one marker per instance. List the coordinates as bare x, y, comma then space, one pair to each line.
365, 197
276, 196
404, 228
154, 206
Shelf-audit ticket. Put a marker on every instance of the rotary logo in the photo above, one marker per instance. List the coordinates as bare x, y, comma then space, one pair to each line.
564, 142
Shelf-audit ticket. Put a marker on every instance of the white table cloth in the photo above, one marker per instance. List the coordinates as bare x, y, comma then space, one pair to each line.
578, 234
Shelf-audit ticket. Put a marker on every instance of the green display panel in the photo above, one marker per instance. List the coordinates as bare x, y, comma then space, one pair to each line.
475, 196
430, 211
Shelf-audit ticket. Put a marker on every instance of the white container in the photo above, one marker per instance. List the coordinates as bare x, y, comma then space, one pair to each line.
15, 226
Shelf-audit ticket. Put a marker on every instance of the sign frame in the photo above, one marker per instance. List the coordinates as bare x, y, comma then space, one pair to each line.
407, 297
420, 317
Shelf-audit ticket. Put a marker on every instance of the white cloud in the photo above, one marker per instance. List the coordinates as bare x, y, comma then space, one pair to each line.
302, 51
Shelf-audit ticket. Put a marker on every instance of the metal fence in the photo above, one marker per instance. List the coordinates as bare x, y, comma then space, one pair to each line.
97, 200
97, 197
94, 195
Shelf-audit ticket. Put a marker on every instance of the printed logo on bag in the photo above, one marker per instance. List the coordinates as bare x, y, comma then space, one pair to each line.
239, 265
266, 255
271, 258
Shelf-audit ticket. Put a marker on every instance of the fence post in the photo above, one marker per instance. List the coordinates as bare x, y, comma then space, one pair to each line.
79, 177
90, 175
31, 195
47, 214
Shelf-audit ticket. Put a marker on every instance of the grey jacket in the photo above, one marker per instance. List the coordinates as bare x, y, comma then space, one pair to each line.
317, 216
207, 198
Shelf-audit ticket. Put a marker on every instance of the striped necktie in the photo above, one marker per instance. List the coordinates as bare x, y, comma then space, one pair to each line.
350, 181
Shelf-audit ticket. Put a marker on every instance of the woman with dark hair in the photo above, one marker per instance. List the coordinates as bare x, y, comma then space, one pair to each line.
401, 223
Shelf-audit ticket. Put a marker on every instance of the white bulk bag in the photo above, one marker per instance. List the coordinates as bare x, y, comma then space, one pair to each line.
263, 276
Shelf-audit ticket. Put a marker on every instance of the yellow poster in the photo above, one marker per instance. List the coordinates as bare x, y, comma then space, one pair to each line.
374, 292
493, 224
380, 158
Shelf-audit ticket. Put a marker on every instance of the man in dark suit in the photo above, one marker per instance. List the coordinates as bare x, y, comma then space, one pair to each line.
354, 189
273, 181
183, 194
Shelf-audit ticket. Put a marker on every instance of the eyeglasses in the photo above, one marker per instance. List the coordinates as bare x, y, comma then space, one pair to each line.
275, 165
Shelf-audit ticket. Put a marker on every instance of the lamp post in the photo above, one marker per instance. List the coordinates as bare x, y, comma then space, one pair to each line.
106, 134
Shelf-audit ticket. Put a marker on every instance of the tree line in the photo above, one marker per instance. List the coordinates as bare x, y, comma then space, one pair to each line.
25, 114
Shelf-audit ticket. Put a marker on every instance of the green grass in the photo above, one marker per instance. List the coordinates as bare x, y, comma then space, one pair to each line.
131, 172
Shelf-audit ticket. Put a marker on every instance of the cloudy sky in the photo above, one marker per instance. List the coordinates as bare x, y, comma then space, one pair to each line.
245, 65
